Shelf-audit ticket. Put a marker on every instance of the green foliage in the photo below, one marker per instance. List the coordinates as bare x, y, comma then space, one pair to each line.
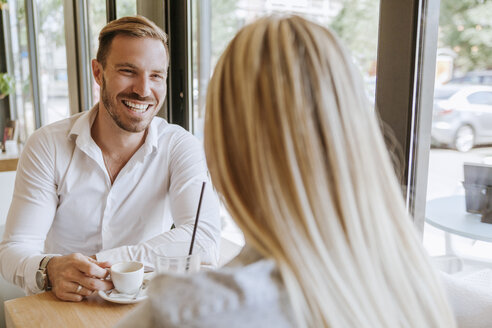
466, 28
225, 25
50, 13
126, 8
357, 25
7, 84
97, 20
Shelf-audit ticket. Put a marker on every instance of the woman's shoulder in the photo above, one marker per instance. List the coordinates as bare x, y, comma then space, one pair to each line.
249, 296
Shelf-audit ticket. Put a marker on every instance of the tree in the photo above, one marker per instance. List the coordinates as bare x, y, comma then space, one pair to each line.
357, 25
225, 24
50, 14
465, 26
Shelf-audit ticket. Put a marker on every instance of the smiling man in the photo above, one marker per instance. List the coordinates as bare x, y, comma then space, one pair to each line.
107, 184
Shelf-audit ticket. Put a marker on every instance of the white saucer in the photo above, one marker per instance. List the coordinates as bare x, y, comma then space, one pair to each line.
114, 296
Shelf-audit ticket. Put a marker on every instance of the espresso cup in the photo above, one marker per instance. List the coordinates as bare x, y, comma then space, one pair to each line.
127, 277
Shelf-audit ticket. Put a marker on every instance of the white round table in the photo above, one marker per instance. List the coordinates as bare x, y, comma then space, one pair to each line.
449, 214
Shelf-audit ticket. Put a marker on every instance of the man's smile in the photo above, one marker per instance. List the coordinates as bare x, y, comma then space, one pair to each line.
136, 107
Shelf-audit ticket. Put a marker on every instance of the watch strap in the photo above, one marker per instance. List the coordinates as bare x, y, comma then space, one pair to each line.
42, 268
44, 262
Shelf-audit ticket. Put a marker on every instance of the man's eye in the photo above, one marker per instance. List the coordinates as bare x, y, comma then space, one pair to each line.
128, 71
157, 76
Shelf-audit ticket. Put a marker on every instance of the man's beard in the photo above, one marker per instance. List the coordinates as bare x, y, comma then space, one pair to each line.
111, 109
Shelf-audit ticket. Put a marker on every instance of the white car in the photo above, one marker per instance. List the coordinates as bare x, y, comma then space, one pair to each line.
462, 116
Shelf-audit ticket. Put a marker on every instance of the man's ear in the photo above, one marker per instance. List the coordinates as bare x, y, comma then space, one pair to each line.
97, 71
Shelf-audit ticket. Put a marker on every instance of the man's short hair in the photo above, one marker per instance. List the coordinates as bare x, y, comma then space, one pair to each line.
135, 26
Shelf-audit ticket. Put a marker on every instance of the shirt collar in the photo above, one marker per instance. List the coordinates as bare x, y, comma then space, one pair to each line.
152, 140
81, 130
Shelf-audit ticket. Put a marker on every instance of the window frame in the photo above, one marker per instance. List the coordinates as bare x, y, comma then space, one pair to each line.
77, 48
6, 110
404, 92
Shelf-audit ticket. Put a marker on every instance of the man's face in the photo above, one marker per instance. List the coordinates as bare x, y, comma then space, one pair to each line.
133, 83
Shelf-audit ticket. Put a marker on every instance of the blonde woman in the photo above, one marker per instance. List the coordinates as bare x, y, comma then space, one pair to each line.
297, 155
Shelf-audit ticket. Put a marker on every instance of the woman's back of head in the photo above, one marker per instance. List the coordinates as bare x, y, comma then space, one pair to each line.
297, 154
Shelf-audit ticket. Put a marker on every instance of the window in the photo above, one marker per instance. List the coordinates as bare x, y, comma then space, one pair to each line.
97, 19
36, 33
387, 28
213, 26
52, 59
463, 134
126, 8
38, 55
22, 100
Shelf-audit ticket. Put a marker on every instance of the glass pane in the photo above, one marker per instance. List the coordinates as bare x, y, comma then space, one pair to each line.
126, 8
20, 57
461, 133
96, 21
52, 60
356, 22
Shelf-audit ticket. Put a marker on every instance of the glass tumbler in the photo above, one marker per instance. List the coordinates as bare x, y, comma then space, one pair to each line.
174, 258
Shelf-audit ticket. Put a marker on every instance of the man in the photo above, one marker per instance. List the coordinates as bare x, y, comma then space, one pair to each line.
98, 188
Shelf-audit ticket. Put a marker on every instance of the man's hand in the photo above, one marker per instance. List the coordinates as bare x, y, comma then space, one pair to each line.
67, 273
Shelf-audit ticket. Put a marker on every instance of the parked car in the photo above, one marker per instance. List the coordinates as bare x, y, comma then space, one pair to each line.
462, 116
475, 77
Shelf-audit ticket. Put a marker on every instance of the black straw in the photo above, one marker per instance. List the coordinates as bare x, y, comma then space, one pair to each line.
196, 218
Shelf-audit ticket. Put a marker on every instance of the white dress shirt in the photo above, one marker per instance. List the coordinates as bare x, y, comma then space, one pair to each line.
64, 202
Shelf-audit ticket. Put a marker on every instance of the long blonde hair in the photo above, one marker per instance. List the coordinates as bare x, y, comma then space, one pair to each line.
298, 157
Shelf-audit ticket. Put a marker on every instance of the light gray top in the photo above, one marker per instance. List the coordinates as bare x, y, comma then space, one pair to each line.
247, 293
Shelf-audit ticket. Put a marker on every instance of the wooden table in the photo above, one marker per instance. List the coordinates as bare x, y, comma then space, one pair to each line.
45, 310
8, 164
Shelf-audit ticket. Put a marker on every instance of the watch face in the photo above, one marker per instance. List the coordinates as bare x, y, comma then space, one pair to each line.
40, 278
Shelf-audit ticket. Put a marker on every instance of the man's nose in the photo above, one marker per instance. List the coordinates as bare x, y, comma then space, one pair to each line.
142, 86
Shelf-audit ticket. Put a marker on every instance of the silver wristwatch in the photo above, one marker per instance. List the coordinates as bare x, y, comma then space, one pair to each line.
41, 276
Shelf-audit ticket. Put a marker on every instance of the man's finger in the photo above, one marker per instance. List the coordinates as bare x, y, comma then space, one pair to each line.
71, 297
79, 289
104, 264
95, 284
91, 269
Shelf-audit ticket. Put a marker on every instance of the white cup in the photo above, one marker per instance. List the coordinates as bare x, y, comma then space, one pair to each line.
127, 277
